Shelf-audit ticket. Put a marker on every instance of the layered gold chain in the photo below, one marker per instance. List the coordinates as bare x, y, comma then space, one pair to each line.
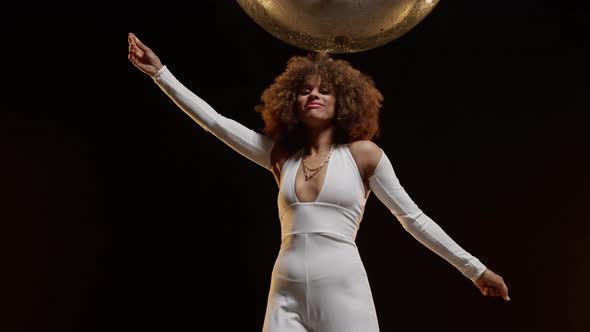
311, 172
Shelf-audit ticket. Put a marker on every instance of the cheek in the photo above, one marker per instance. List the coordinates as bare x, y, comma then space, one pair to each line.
300, 102
333, 104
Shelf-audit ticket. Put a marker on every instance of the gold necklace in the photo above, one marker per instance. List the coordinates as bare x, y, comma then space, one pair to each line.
311, 172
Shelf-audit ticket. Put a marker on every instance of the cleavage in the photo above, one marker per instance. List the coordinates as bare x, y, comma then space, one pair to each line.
309, 191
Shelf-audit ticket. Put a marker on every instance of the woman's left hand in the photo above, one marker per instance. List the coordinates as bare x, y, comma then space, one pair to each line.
491, 284
142, 56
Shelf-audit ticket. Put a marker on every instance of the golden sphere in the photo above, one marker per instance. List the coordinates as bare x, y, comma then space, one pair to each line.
337, 26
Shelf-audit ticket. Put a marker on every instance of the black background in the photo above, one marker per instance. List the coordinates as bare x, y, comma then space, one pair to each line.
119, 213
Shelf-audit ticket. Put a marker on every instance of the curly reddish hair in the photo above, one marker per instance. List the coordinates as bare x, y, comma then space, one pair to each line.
358, 101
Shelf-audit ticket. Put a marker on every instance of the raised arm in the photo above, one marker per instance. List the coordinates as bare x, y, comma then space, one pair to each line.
252, 145
386, 186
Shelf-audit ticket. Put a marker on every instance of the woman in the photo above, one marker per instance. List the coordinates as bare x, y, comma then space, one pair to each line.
320, 116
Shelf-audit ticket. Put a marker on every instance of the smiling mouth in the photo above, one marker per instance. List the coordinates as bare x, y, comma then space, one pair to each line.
313, 105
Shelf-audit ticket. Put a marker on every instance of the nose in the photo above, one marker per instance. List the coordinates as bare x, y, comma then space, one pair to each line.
313, 94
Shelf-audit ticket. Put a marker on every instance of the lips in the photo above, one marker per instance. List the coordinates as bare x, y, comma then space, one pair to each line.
313, 105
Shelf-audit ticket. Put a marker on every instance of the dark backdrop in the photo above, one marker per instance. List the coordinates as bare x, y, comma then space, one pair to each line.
119, 213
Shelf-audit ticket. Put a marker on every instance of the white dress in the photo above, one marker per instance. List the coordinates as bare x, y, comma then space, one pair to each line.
318, 281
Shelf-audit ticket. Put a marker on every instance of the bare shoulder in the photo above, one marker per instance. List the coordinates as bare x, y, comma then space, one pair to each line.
278, 155
366, 155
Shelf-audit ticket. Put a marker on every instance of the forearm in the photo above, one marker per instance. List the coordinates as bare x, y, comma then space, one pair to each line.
431, 235
386, 186
247, 142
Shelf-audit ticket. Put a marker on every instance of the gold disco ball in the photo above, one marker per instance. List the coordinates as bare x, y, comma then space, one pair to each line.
337, 26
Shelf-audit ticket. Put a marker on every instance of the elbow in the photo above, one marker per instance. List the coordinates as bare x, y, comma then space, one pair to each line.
411, 220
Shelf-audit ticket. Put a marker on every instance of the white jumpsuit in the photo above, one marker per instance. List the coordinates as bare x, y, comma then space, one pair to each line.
318, 281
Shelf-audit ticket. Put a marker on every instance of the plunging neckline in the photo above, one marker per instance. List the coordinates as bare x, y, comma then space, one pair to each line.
322, 185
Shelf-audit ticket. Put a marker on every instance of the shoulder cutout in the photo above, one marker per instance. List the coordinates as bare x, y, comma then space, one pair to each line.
278, 155
366, 155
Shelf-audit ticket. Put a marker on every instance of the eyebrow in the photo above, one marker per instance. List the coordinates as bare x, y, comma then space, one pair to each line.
322, 86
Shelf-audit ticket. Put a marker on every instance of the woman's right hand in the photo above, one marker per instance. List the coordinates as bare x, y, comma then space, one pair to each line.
142, 56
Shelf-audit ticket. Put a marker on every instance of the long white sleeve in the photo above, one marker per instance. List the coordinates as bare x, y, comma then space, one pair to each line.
252, 145
386, 186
